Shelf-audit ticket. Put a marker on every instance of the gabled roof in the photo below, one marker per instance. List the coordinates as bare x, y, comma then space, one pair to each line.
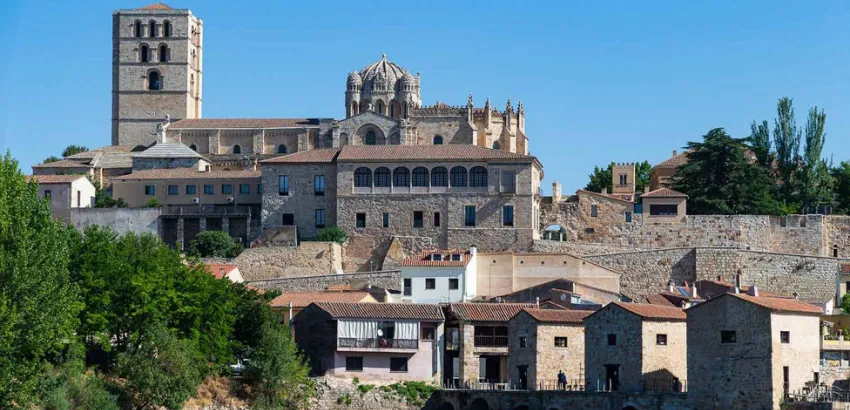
156, 6
651, 312
64, 163
188, 173
302, 299
393, 153
773, 304
174, 150
309, 156
252, 123
674, 161
425, 259
558, 315
55, 179
664, 193
401, 311
220, 270
487, 312
658, 299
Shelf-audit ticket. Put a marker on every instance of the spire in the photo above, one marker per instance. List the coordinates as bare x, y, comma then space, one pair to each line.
487, 103
384, 56
469, 100
508, 108
520, 109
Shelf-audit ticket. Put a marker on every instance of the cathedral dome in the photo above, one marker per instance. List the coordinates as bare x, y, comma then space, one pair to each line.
408, 79
382, 74
354, 78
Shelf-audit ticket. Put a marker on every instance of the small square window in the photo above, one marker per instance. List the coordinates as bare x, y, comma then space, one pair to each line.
191, 189
455, 256
453, 283
209, 189
354, 363
508, 215
227, 189
386, 220
785, 337
360, 222
428, 332
418, 217
560, 341
408, 287
728, 336
173, 190
523, 341
244, 189
150, 190
612, 339
436, 219
430, 283
398, 364
594, 212
661, 339
48, 194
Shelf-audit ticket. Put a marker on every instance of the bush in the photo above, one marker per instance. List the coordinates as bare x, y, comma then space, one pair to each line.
215, 244
153, 203
332, 234
414, 392
278, 371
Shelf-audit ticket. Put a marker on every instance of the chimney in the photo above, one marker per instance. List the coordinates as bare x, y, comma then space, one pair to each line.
538, 302
738, 279
556, 191
670, 285
675, 153
694, 291
604, 190
737, 290
720, 278
753, 291
646, 189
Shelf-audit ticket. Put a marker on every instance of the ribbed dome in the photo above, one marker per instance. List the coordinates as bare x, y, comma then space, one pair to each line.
383, 71
408, 78
354, 78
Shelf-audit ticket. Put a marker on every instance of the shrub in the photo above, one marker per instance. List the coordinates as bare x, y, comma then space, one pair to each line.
414, 392
278, 371
365, 388
356, 380
216, 244
153, 203
332, 234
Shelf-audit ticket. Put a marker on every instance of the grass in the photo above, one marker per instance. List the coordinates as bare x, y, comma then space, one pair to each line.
414, 392
365, 388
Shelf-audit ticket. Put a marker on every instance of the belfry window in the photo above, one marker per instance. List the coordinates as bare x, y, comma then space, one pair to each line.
163, 53
144, 53
166, 29
137, 28
371, 139
152, 29
438, 140
380, 107
281, 149
237, 149
154, 81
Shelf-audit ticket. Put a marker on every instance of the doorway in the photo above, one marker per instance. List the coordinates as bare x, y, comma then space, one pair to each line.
612, 377
523, 377
489, 369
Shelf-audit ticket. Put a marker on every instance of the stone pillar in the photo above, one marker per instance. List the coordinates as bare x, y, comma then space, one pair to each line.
556, 192
468, 360
259, 142
180, 233
225, 224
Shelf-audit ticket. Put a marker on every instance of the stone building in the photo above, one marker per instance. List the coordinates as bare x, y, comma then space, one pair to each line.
372, 341
439, 276
745, 351
635, 347
564, 293
65, 192
659, 176
544, 342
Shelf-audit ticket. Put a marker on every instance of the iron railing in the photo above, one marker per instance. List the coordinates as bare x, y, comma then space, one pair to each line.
491, 341
191, 210
378, 343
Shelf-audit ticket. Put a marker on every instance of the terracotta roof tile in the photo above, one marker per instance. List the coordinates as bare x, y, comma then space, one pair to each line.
664, 193
779, 304
409, 311
648, 311
309, 156
220, 270
558, 315
156, 6
844, 268
302, 299
354, 153
212, 123
55, 179
658, 299
424, 258
187, 173
65, 163
674, 161
487, 312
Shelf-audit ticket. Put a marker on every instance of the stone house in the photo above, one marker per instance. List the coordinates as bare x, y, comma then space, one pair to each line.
476, 342
544, 342
65, 192
436, 276
564, 293
372, 341
745, 351
664, 205
634, 347
174, 155
659, 176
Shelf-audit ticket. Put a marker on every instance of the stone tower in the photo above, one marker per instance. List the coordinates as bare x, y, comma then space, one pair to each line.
383, 87
157, 55
623, 178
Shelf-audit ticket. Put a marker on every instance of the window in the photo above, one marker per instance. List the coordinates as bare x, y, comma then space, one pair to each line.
469, 212
380, 107
508, 215
283, 185
612, 339
150, 190
152, 29
623, 179
193, 147
420, 177
320, 218
496, 145
418, 217
436, 219
453, 283
237, 149
319, 185
371, 139
360, 222
363, 177
173, 190
508, 182
628, 216
663, 210
408, 287
382, 177
458, 176
594, 211
154, 81
478, 177
144, 53
430, 283
354, 363
227, 189
834, 251
438, 140
386, 220
428, 333
259, 188
48, 194
137, 28
560, 341
166, 29
244, 189
727, 336
209, 189
281, 149
398, 364
163, 53
523, 341
287, 219
455, 256
661, 339
401, 177
439, 176
785, 337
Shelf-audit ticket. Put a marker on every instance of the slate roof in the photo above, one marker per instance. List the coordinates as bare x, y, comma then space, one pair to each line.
664, 193
211, 123
487, 312
394, 153
175, 150
64, 163
424, 258
220, 270
648, 311
55, 179
187, 173
309, 156
658, 299
402, 311
302, 299
558, 315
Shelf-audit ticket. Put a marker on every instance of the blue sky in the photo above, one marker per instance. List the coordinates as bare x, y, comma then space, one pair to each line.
601, 81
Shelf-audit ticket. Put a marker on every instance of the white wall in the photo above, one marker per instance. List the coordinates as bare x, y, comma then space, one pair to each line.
441, 291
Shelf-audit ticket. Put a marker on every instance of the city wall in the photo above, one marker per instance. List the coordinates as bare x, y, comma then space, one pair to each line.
381, 279
121, 220
307, 259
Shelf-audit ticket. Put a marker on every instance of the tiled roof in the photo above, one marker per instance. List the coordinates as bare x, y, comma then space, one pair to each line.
779, 304
309, 156
664, 193
558, 315
608, 196
156, 6
187, 173
844, 268
65, 163
658, 299
175, 150
488, 312
354, 153
55, 179
220, 270
424, 258
302, 299
674, 161
648, 311
402, 311
209, 123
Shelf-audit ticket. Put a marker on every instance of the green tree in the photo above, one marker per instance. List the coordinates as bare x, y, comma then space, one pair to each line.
153, 203
841, 185
760, 143
52, 158
845, 303
73, 149
786, 139
602, 177
103, 199
38, 302
278, 370
215, 244
332, 234
814, 181
719, 179
160, 370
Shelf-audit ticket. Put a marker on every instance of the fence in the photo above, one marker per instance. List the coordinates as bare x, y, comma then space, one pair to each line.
818, 393
380, 342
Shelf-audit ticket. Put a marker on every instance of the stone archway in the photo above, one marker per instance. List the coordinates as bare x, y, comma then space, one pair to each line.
554, 232
479, 404
447, 406
368, 131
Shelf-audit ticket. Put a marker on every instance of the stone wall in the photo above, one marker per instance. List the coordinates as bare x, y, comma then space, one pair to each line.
579, 248
837, 238
493, 399
121, 220
647, 272
381, 279
307, 259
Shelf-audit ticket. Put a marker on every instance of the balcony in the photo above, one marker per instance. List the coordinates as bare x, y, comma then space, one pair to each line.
206, 210
491, 341
377, 344
831, 342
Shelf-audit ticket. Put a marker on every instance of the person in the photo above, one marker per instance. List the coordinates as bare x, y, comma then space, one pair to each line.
562, 380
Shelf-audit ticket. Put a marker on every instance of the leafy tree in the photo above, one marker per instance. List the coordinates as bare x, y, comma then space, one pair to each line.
719, 179
760, 142
278, 370
841, 177
103, 199
160, 370
52, 158
153, 203
845, 303
38, 303
602, 177
332, 234
215, 244
814, 180
786, 138
73, 149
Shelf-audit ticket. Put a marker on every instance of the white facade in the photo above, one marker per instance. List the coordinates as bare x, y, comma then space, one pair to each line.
435, 284
64, 195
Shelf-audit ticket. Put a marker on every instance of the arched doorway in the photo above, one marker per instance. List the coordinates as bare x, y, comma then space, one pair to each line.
479, 404
554, 232
370, 134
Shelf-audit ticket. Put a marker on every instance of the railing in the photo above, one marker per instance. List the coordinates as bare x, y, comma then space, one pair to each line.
491, 341
512, 385
555, 385
378, 343
452, 345
194, 210
665, 384
818, 394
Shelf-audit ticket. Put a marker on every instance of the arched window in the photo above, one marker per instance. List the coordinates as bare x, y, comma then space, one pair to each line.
440, 176
496, 145
152, 29
401, 177
166, 29
281, 149
382, 177
459, 176
137, 28
193, 148
237, 149
420, 177
354, 108
154, 81
371, 139
392, 110
438, 140
363, 177
478, 177
144, 53
380, 107
163, 53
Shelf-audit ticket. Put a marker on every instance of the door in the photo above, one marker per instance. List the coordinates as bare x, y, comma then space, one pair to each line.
523, 377
612, 376
785, 380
